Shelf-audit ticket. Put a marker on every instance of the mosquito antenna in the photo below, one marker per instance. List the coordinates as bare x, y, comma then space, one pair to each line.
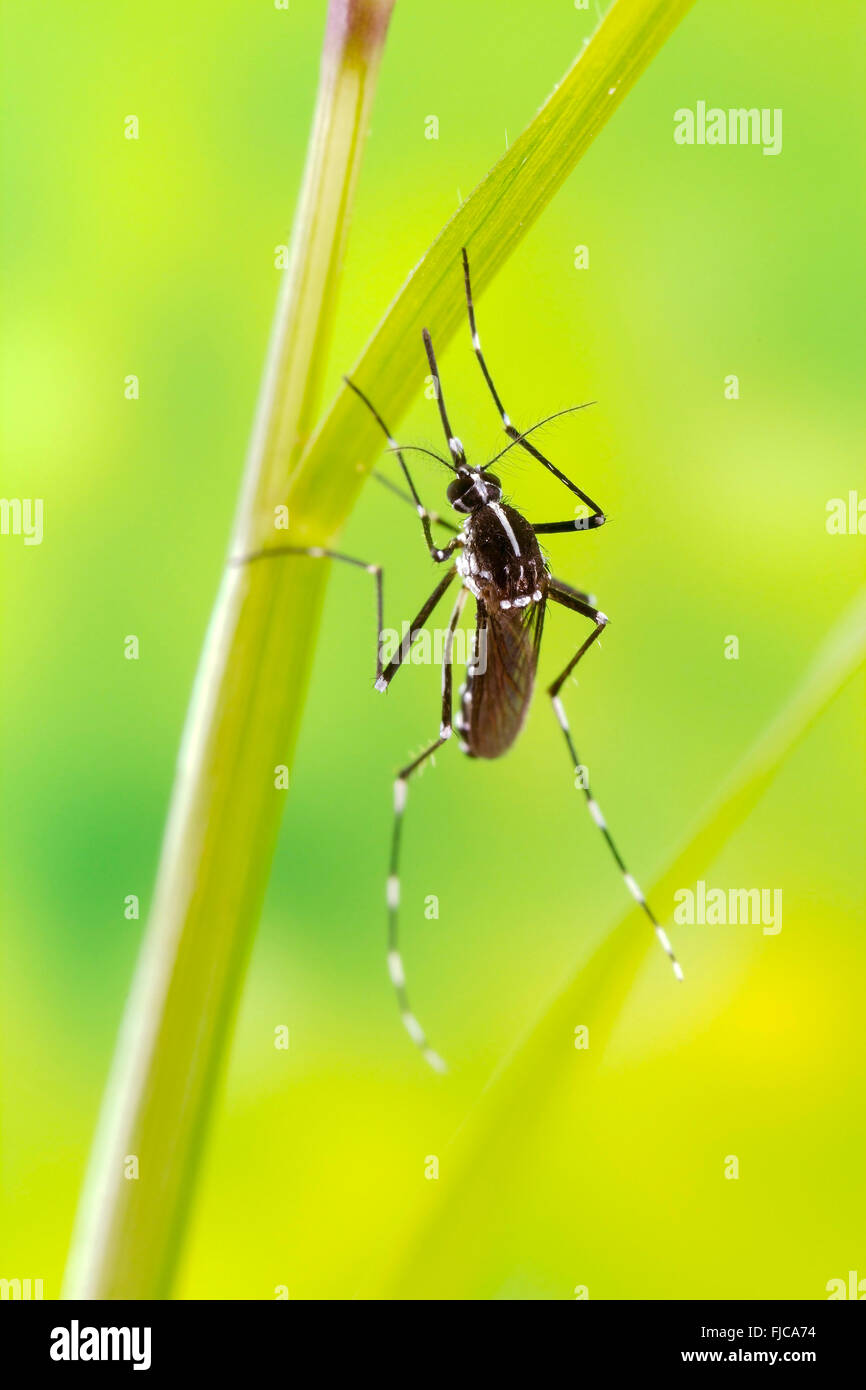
419, 449
569, 410
457, 451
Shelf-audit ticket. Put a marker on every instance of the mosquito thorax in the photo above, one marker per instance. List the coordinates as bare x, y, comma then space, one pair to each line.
473, 488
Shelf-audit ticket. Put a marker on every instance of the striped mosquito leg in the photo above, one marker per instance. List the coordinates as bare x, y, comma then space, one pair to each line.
317, 552
454, 445
385, 677
581, 594
514, 434
395, 960
595, 811
401, 787
568, 597
577, 603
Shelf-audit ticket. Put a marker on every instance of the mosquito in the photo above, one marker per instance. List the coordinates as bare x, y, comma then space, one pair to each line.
495, 556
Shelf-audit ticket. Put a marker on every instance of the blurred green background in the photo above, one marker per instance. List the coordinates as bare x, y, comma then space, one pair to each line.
156, 257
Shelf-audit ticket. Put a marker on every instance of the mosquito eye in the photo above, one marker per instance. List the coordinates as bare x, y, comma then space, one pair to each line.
492, 478
456, 490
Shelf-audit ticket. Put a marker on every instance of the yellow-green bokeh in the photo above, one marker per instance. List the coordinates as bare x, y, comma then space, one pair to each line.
156, 257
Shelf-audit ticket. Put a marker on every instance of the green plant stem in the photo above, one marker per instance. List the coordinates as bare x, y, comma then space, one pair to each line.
243, 716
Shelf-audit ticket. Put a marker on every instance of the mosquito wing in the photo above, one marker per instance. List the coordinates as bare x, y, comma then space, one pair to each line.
499, 686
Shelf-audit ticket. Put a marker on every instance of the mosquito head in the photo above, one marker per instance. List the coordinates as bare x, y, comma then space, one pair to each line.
472, 488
